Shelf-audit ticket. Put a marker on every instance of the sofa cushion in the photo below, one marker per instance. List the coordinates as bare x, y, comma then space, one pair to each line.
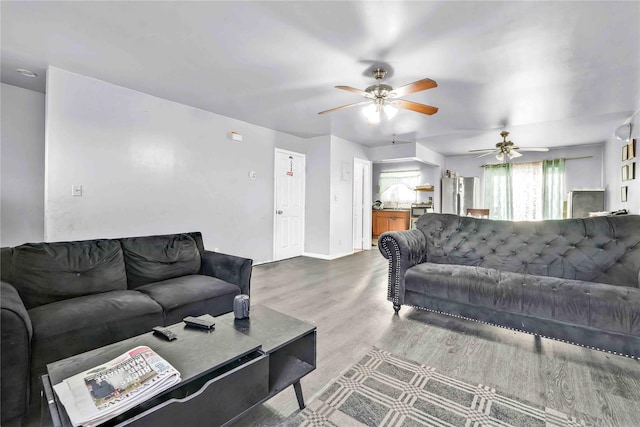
49, 272
155, 258
191, 296
73, 326
15, 341
610, 308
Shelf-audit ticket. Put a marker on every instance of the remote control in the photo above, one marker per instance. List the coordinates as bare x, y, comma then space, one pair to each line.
199, 323
164, 333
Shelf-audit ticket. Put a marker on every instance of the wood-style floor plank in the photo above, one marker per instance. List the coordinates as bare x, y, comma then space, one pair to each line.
346, 300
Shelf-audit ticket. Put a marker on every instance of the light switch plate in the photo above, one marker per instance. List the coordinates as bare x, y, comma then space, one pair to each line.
76, 190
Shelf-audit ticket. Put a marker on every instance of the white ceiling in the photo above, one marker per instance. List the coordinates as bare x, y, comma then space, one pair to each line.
551, 73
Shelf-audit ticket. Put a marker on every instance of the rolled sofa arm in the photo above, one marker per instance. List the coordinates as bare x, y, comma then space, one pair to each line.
230, 268
403, 249
15, 357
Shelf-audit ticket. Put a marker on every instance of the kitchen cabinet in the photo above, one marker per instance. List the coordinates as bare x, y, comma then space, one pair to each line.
389, 220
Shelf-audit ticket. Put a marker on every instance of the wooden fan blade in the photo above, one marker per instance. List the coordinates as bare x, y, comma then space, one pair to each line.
532, 149
484, 149
414, 106
414, 87
486, 154
344, 106
356, 91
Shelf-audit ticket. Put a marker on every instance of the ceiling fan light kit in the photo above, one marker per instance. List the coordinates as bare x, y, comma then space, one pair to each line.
382, 97
390, 111
372, 112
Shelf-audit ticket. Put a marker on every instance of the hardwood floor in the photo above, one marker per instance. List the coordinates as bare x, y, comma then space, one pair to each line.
346, 300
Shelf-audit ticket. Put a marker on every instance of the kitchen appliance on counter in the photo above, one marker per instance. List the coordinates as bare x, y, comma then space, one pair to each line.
418, 209
460, 194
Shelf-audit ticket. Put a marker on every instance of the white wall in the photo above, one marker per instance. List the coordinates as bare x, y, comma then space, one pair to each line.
341, 210
22, 152
152, 166
579, 174
613, 175
405, 152
329, 192
318, 196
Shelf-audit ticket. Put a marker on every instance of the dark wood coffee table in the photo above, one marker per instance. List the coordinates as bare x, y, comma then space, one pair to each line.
225, 372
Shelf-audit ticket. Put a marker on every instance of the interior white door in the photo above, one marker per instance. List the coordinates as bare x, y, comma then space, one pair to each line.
358, 206
361, 204
289, 204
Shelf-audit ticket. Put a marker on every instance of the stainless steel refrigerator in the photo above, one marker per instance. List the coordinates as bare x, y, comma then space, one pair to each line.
460, 194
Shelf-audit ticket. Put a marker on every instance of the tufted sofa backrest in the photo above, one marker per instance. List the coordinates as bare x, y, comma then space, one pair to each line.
599, 249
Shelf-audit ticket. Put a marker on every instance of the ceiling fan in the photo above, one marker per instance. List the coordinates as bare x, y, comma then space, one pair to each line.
507, 148
382, 97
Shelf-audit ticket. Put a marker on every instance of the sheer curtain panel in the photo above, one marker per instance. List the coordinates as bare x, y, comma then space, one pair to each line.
527, 182
497, 191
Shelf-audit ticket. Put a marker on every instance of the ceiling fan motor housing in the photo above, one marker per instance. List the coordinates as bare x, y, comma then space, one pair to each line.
379, 73
379, 90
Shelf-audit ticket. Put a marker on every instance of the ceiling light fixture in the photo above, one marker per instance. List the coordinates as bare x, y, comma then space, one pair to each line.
26, 73
372, 112
500, 156
390, 111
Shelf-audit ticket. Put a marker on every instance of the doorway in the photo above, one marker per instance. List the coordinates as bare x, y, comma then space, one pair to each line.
288, 223
361, 204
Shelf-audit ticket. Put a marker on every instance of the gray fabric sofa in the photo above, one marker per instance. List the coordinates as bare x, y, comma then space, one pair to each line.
64, 298
574, 280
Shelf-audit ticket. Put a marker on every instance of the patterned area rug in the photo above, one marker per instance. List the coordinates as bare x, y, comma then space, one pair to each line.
386, 390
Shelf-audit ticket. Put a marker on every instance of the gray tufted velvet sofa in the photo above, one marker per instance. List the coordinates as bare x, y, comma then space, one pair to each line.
64, 298
574, 280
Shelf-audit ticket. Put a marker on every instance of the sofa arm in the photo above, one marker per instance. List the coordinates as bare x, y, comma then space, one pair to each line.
230, 268
403, 249
15, 341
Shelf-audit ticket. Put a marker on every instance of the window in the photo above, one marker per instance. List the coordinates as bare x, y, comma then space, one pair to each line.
396, 188
525, 191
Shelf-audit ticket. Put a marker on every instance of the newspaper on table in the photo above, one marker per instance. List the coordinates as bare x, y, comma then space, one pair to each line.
101, 393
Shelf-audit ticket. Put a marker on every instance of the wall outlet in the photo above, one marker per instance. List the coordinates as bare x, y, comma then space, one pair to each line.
76, 190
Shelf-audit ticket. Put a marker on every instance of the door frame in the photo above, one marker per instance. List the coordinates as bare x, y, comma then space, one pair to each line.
275, 198
367, 184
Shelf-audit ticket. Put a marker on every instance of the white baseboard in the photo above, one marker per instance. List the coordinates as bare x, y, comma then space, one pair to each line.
311, 255
326, 257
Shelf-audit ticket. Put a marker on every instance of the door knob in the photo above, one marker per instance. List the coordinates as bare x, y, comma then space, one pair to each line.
279, 212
